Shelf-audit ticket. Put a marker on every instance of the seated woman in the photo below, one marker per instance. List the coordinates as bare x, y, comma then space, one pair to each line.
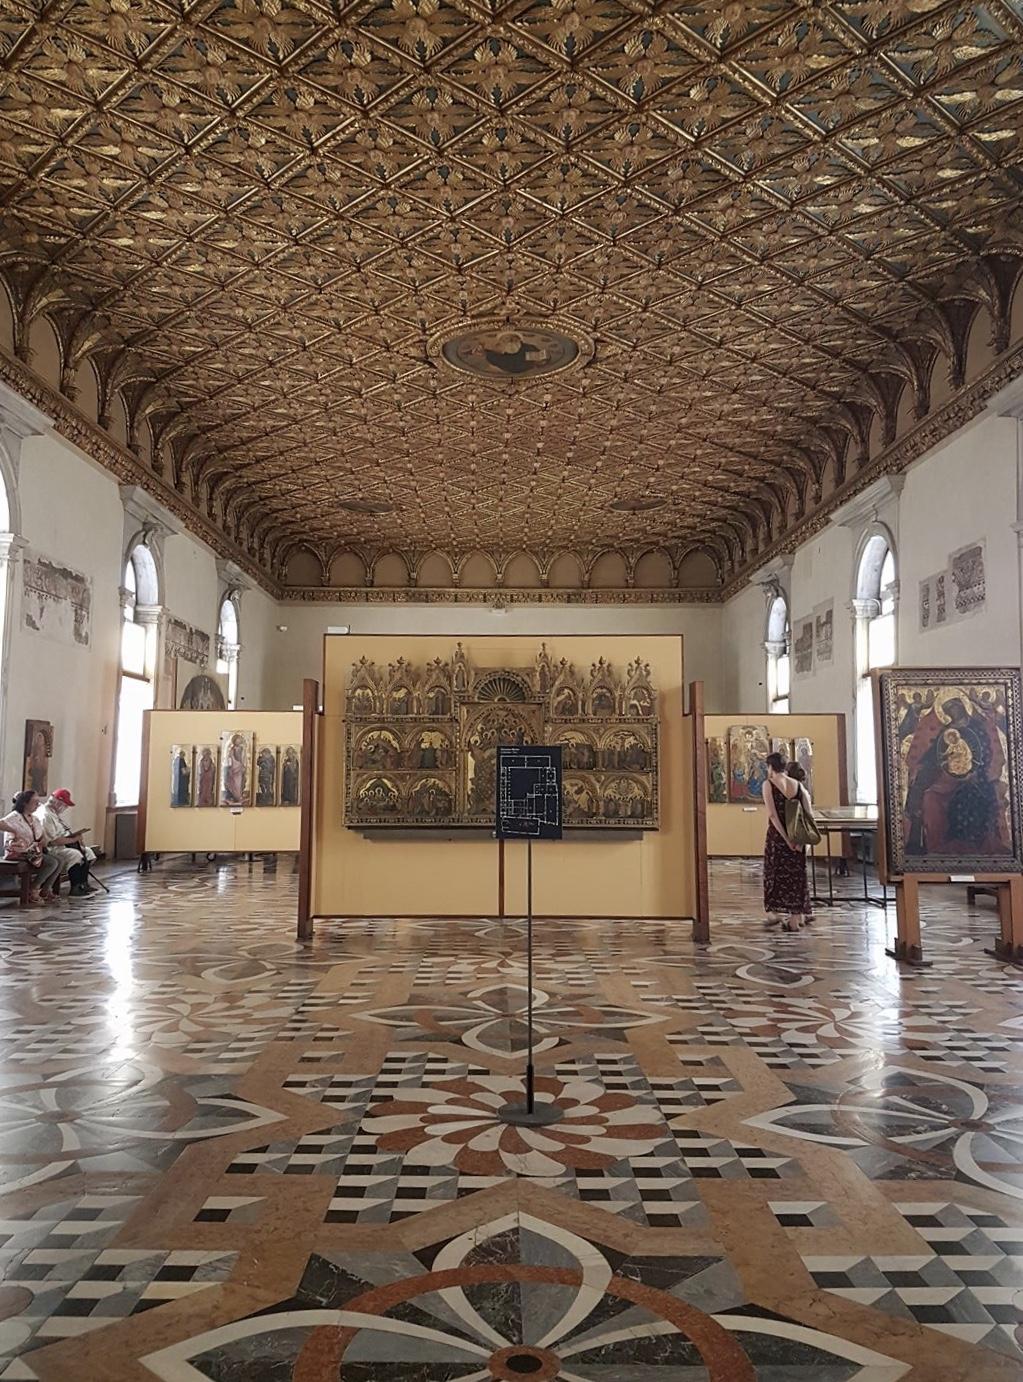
23, 841
63, 843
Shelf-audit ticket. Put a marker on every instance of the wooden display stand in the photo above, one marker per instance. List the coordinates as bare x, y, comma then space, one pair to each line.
1008, 889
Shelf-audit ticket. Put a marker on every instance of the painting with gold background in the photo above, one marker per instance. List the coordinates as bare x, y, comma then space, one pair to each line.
952, 769
421, 741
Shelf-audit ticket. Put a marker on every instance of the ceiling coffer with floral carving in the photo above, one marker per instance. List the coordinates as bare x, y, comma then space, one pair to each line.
765, 226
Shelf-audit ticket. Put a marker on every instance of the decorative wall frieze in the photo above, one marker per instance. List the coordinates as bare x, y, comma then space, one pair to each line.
497, 599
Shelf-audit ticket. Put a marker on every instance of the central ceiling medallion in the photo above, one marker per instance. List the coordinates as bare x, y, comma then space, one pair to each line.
511, 352
367, 505
637, 504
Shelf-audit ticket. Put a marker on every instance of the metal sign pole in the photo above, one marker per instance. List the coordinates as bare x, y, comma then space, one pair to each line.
530, 1114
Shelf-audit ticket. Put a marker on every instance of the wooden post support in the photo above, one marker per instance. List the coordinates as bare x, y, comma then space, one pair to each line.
701, 921
307, 802
1009, 945
908, 943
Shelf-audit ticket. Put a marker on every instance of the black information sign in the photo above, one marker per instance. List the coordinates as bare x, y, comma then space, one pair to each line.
529, 792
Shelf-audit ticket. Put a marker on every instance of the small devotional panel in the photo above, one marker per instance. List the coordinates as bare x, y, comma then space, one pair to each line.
421, 742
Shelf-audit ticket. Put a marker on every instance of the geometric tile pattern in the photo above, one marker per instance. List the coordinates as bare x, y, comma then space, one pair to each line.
762, 1173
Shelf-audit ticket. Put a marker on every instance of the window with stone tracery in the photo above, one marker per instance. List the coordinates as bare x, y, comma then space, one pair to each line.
779, 666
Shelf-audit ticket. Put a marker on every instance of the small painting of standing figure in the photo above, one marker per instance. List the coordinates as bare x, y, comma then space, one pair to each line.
290, 774
181, 775
748, 747
204, 775
950, 746
236, 767
717, 770
803, 756
38, 752
266, 776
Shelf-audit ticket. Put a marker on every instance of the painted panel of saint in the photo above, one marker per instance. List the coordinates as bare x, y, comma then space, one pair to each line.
266, 775
950, 742
378, 749
802, 753
784, 747
748, 747
181, 775
204, 775
717, 770
290, 774
38, 752
580, 800
236, 747
430, 799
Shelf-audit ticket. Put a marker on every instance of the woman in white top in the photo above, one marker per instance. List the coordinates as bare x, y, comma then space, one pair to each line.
23, 841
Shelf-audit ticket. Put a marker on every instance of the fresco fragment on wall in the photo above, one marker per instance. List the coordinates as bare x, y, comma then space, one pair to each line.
57, 601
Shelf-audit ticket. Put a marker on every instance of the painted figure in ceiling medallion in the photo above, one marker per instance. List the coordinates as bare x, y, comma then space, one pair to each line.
511, 352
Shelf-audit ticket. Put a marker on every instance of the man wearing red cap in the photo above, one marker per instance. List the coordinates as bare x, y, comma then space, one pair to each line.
63, 843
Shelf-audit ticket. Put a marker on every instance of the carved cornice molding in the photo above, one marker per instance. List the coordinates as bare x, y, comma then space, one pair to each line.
967, 404
458, 595
71, 424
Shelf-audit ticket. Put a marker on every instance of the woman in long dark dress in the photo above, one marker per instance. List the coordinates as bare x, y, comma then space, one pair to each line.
786, 891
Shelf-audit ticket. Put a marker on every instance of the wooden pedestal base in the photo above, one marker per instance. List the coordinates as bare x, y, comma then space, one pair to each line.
1006, 887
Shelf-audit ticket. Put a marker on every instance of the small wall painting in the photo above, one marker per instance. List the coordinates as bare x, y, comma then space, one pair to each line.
266, 775
782, 746
748, 747
951, 769
181, 775
236, 767
802, 648
204, 775
969, 584
802, 753
203, 693
38, 752
717, 770
290, 774
824, 634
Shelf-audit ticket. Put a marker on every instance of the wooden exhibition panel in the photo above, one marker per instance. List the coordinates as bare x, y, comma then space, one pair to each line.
735, 828
452, 872
168, 829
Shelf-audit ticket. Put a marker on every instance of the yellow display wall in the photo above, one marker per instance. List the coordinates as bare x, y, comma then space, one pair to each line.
457, 873
166, 829
739, 829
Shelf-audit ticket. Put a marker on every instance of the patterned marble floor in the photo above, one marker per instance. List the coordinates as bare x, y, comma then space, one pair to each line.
226, 1157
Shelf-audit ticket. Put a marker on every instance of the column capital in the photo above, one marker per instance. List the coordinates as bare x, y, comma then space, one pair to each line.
774, 647
11, 547
864, 609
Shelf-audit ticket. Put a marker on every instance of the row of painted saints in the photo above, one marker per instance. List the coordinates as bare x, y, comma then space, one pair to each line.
235, 772
420, 742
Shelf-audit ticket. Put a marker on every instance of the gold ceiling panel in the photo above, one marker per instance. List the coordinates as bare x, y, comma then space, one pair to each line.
759, 222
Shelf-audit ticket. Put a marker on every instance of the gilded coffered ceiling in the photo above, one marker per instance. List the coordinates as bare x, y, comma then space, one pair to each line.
568, 275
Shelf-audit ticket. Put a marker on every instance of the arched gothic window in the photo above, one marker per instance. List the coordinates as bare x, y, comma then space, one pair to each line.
779, 667
140, 599
228, 648
875, 611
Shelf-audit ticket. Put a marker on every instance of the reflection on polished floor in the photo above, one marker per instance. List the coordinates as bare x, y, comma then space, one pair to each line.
228, 1158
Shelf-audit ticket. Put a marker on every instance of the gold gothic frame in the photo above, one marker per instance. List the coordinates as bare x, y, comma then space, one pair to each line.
420, 742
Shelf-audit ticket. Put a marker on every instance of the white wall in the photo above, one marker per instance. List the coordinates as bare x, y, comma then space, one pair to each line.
298, 653
258, 620
965, 490
71, 513
962, 492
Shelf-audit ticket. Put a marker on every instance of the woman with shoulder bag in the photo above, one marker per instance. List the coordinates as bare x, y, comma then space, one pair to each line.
23, 841
786, 889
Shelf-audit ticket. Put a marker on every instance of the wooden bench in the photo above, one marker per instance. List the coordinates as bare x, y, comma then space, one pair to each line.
18, 873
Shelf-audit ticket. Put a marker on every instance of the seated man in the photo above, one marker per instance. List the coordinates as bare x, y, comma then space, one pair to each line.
63, 843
